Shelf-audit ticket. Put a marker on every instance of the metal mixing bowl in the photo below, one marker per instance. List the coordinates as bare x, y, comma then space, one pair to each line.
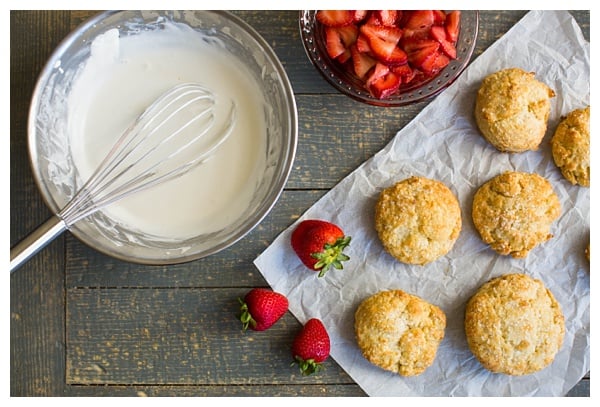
52, 160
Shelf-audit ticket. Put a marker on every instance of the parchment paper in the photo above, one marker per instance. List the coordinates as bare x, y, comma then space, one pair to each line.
443, 143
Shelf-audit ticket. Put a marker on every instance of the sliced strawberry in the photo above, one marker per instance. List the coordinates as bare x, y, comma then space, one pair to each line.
405, 72
412, 45
397, 57
387, 17
388, 34
348, 34
453, 25
420, 19
386, 48
362, 44
421, 51
335, 18
344, 56
378, 72
385, 86
439, 17
361, 61
434, 63
382, 40
373, 19
439, 34
333, 42
338, 41
410, 35
403, 18
359, 15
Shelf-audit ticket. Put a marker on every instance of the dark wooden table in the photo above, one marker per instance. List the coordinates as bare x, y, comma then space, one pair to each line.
84, 324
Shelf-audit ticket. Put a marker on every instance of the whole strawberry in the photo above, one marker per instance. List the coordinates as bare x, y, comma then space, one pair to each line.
261, 308
320, 245
311, 347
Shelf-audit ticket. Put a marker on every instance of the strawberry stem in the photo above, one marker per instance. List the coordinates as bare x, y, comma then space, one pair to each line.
332, 255
245, 315
308, 366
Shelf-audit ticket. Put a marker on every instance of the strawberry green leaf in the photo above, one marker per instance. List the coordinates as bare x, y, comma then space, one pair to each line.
332, 255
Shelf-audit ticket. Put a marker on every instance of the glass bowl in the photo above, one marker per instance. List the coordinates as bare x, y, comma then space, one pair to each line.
312, 34
55, 169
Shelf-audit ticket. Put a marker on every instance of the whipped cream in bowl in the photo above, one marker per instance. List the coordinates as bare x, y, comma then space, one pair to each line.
107, 72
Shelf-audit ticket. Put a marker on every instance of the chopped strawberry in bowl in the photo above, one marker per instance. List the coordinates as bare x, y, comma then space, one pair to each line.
389, 57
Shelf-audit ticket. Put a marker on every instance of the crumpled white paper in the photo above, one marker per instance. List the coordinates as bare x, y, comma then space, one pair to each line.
443, 143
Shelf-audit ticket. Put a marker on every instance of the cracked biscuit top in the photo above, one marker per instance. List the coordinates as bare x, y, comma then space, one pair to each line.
512, 110
399, 332
513, 212
514, 325
417, 220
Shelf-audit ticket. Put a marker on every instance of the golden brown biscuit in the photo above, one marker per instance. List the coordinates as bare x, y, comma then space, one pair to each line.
571, 147
417, 220
399, 332
513, 212
512, 110
514, 325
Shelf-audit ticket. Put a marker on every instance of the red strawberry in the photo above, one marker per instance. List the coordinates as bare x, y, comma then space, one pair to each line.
453, 25
382, 40
261, 308
335, 18
362, 62
397, 57
420, 42
362, 44
333, 43
338, 41
439, 34
320, 245
439, 16
421, 51
435, 63
379, 72
420, 19
359, 15
311, 347
388, 17
416, 44
385, 86
405, 72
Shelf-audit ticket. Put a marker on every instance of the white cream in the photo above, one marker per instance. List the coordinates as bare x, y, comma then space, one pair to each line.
120, 79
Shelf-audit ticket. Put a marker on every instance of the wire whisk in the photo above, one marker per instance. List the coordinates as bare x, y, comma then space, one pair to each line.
179, 131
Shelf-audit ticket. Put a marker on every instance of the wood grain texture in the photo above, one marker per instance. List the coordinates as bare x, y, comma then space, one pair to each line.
37, 303
177, 336
84, 324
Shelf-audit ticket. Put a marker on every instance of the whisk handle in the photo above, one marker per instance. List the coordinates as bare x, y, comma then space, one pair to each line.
36, 241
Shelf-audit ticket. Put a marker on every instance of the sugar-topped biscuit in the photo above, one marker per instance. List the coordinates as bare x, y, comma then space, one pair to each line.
417, 220
399, 332
513, 212
512, 110
514, 325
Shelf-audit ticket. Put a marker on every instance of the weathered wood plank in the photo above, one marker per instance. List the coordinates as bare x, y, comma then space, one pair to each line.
582, 389
275, 390
177, 336
37, 289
